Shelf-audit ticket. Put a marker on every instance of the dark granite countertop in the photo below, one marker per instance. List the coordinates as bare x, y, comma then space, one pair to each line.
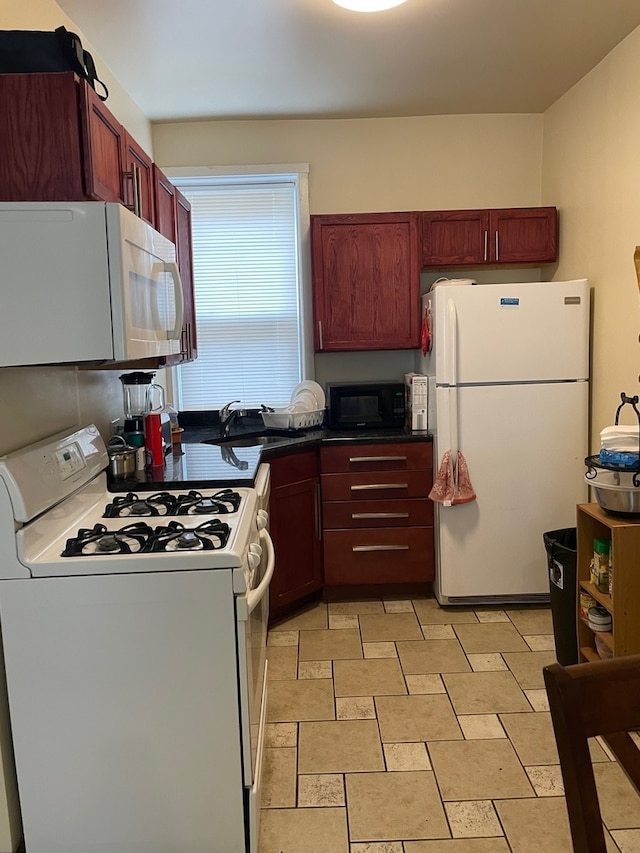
197, 464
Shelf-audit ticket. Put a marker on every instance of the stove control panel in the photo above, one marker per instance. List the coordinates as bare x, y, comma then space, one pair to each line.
70, 460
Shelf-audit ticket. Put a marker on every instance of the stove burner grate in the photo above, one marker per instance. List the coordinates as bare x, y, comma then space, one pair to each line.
131, 504
208, 536
166, 504
101, 541
194, 503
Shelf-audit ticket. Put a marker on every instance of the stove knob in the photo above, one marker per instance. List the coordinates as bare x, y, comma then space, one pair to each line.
254, 548
262, 519
254, 560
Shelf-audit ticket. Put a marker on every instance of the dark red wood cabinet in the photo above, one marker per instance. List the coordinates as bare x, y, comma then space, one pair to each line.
295, 527
521, 235
366, 281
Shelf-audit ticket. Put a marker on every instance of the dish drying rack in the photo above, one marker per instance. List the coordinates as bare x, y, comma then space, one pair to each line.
279, 419
593, 462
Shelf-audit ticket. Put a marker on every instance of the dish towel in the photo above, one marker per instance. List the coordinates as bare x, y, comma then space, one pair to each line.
452, 485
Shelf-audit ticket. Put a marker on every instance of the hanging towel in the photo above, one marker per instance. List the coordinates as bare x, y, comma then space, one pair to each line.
463, 492
426, 333
452, 485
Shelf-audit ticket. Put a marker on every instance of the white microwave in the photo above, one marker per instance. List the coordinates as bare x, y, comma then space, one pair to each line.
85, 282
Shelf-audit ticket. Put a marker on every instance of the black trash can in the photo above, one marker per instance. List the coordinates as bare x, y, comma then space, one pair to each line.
563, 591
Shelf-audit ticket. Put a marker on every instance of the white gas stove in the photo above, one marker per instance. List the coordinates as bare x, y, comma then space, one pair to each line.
134, 631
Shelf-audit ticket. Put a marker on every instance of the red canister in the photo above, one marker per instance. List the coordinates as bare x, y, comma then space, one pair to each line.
153, 440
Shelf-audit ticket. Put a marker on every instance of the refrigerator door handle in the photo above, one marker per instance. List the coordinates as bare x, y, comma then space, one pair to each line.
452, 372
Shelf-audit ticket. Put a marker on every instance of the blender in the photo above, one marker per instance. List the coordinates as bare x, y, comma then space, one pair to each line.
143, 400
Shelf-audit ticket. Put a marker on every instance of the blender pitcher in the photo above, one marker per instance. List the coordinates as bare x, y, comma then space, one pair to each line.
141, 395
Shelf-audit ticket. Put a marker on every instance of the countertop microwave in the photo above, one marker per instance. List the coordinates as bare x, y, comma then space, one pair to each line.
85, 282
365, 405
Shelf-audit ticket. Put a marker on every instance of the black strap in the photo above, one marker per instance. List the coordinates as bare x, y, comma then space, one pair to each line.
80, 60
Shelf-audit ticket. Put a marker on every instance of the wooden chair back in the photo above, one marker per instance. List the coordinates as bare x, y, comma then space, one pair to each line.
586, 700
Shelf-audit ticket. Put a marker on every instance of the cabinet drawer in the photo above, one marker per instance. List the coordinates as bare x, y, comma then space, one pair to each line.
378, 485
394, 513
375, 457
390, 555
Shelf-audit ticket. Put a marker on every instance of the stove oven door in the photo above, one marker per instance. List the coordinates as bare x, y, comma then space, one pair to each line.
253, 615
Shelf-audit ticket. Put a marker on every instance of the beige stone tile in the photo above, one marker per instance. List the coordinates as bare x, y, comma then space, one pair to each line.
315, 669
459, 845
378, 847
480, 726
490, 615
313, 617
429, 612
290, 701
473, 819
546, 781
535, 825
283, 662
493, 662
397, 606
438, 632
619, 802
279, 778
330, 645
430, 683
406, 756
540, 642
389, 626
423, 656
282, 638
343, 620
478, 770
390, 806
527, 667
627, 840
531, 620
415, 718
368, 677
493, 637
340, 746
321, 790
281, 734
538, 699
532, 737
485, 692
304, 831
356, 607
610, 844
597, 752
379, 650
355, 708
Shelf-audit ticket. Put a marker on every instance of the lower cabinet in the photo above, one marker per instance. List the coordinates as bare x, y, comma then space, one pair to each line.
295, 527
377, 517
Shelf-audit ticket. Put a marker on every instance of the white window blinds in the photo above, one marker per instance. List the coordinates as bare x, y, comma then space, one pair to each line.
247, 293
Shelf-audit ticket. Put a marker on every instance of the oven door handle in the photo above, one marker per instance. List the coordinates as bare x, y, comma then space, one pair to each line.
254, 596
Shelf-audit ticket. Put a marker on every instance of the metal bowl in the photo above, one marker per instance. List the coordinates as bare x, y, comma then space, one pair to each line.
617, 500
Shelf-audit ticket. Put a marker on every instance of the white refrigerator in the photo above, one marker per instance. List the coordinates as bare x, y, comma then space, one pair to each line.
510, 368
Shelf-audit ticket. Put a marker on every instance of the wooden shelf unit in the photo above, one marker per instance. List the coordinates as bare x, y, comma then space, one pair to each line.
624, 603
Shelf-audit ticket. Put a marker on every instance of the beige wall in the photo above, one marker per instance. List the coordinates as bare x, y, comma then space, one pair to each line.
591, 170
37, 402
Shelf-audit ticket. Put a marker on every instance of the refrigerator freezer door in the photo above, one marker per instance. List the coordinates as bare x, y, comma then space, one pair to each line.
526, 332
525, 447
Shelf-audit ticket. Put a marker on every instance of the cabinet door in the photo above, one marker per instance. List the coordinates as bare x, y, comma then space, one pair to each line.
452, 237
294, 524
185, 262
366, 281
165, 204
139, 169
103, 142
524, 235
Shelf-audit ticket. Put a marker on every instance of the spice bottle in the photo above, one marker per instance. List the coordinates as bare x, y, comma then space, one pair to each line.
601, 560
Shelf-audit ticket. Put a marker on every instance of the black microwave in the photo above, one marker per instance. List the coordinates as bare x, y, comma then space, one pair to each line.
365, 405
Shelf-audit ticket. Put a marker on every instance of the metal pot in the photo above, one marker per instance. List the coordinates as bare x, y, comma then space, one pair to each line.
618, 500
122, 457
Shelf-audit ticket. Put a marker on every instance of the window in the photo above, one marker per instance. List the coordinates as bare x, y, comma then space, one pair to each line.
248, 265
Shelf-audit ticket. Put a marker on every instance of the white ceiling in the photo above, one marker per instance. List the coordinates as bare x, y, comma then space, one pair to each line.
183, 59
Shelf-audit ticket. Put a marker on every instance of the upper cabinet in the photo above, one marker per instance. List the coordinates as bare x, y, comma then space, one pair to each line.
366, 281
520, 235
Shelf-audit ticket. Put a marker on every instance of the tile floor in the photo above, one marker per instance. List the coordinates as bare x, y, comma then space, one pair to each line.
399, 727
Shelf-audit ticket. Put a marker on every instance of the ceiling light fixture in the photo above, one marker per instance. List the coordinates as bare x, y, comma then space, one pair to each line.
368, 5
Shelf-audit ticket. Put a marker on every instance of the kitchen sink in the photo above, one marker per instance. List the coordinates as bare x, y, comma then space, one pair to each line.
254, 439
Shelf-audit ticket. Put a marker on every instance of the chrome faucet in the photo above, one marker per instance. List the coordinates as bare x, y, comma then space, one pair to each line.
228, 416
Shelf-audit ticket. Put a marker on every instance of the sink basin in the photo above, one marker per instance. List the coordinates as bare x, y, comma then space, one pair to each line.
254, 439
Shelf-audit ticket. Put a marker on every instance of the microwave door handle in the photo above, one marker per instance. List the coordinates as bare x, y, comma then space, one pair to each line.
175, 333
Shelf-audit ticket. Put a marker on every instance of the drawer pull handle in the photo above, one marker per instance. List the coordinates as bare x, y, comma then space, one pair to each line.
377, 459
368, 487
355, 515
380, 548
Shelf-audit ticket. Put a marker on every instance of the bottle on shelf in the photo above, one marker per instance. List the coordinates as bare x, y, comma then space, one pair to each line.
600, 564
